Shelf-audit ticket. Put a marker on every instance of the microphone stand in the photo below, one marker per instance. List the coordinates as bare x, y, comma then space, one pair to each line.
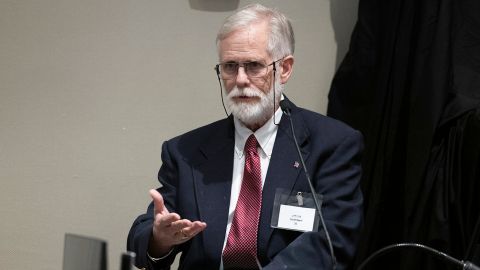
286, 110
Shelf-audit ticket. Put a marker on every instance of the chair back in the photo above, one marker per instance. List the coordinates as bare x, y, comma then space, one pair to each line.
84, 253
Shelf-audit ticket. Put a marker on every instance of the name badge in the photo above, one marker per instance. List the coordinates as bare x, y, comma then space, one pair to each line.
296, 218
295, 211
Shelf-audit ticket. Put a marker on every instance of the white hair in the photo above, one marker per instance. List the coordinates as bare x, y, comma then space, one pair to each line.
281, 40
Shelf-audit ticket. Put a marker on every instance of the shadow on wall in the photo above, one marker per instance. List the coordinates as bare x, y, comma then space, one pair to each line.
214, 5
343, 14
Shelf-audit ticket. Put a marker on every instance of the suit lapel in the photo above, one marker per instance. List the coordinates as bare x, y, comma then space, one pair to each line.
283, 170
212, 174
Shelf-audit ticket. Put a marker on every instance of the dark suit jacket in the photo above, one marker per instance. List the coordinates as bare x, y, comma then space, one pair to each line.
196, 175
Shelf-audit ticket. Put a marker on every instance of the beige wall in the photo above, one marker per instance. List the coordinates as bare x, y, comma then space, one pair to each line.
90, 89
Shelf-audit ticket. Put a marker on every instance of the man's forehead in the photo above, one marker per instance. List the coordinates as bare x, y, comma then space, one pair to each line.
244, 56
246, 43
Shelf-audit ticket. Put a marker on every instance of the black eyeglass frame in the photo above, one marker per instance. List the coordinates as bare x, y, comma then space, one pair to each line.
217, 68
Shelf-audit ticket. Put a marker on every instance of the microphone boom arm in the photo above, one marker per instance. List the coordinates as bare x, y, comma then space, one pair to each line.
286, 111
466, 265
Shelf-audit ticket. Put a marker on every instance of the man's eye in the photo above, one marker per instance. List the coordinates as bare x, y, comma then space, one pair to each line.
254, 65
230, 66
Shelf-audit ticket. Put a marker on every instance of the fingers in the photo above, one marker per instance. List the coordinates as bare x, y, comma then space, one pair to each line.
179, 225
158, 202
193, 229
173, 231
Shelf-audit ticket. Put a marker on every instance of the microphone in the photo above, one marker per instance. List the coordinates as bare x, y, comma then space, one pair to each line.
466, 265
285, 106
126, 260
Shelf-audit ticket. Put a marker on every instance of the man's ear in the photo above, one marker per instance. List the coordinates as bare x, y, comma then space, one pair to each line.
287, 68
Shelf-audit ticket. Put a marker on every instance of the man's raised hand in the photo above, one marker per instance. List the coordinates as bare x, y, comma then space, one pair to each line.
169, 229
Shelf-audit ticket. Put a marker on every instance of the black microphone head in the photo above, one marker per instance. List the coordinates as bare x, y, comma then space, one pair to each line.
285, 106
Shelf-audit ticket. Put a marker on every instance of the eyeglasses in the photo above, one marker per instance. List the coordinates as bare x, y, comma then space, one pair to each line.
253, 69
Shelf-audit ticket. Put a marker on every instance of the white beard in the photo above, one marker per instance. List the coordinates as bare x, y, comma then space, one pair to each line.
253, 113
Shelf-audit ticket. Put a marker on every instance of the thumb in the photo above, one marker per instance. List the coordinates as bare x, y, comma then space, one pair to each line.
158, 202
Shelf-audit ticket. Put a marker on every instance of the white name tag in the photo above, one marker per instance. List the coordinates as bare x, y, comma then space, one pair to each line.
296, 218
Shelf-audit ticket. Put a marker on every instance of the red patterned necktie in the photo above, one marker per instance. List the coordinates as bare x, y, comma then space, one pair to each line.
241, 249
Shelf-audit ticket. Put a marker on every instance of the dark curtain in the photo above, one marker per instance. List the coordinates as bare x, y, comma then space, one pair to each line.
410, 83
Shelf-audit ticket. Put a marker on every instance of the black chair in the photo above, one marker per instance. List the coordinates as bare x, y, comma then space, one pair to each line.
84, 253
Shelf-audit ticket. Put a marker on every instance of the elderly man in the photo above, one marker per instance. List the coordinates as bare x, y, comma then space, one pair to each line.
227, 188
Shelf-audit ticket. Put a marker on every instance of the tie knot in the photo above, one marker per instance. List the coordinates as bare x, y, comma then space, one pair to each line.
251, 144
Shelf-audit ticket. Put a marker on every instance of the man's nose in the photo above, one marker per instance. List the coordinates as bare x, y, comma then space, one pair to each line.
242, 79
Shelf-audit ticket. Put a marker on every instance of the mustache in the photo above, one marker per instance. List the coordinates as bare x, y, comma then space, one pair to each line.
245, 92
